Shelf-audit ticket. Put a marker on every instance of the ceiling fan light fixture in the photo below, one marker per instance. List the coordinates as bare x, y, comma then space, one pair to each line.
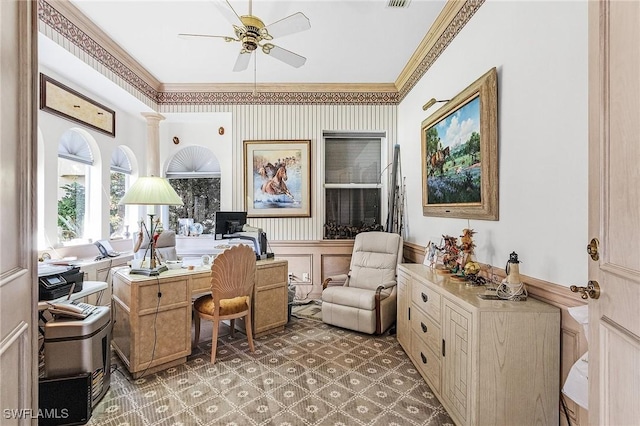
253, 32
249, 43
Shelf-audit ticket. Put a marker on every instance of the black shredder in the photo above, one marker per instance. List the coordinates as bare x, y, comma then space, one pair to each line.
75, 346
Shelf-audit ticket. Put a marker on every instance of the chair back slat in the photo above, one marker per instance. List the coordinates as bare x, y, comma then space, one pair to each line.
233, 273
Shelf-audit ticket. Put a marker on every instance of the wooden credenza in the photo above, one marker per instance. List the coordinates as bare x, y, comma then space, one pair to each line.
152, 315
488, 361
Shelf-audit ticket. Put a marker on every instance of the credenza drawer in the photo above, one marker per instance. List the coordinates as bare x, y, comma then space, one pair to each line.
427, 362
426, 299
426, 329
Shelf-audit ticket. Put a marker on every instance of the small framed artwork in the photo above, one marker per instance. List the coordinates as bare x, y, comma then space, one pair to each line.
65, 102
277, 176
460, 154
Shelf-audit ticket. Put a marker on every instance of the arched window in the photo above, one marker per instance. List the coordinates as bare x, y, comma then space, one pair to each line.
74, 167
119, 183
194, 172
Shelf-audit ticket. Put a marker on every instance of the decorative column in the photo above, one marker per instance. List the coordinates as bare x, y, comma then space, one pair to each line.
153, 142
153, 158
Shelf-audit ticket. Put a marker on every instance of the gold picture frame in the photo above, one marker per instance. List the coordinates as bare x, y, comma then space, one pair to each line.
460, 154
65, 102
277, 178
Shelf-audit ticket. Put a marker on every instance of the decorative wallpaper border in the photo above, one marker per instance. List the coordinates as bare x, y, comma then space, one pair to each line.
59, 23
275, 98
68, 30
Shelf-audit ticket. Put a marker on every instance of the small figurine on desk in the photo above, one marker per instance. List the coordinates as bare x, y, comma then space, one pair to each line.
467, 245
432, 254
451, 253
470, 267
512, 287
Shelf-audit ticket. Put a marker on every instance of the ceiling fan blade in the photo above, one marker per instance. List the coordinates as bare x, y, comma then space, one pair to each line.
284, 55
289, 25
243, 61
226, 38
227, 11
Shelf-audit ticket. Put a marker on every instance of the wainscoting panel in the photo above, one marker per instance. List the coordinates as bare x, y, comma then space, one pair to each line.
573, 343
322, 257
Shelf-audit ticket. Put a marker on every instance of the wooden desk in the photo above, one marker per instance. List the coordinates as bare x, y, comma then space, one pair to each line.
152, 333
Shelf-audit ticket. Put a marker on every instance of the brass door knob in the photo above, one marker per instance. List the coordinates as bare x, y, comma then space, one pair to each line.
592, 249
592, 290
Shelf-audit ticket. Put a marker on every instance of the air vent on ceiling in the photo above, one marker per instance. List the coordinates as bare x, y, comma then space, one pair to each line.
398, 3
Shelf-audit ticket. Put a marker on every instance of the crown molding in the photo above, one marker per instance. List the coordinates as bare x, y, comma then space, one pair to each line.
444, 19
69, 16
67, 20
453, 17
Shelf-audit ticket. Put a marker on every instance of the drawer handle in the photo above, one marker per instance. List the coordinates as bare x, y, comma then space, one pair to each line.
424, 358
424, 327
425, 298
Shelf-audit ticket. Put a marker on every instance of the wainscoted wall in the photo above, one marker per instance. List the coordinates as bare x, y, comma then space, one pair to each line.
288, 122
573, 341
319, 259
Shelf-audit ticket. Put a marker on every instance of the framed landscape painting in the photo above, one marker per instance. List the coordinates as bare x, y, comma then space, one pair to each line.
277, 178
460, 154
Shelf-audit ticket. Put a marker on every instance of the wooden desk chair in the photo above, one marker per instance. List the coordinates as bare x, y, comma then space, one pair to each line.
232, 281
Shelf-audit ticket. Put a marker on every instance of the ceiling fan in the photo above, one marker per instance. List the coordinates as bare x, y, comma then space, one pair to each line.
252, 33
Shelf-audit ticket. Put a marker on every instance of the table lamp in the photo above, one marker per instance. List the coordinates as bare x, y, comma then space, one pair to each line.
151, 191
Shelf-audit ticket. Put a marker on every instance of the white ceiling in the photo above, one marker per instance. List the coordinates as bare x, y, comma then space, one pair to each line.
353, 41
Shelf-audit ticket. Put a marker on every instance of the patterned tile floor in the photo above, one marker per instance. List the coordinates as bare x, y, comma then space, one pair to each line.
309, 374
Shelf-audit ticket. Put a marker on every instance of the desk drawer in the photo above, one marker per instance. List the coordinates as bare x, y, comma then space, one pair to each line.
174, 293
426, 329
426, 299
201, 283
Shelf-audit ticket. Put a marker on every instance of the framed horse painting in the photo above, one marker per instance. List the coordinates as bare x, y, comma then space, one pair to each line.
277, 178
460, 154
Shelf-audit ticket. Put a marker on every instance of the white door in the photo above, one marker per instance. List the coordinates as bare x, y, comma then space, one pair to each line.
18, 294
614, 211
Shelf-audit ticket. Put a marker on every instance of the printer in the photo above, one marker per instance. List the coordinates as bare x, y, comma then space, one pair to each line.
258, 239
56, 281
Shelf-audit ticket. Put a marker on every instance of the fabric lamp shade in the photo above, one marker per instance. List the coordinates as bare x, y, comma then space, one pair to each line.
152, 191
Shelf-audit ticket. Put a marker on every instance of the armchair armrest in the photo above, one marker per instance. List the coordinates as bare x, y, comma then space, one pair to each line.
344, 278
387, 285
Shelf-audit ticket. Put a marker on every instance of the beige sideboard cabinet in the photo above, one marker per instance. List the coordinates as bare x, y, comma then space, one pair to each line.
490, 362
152, 315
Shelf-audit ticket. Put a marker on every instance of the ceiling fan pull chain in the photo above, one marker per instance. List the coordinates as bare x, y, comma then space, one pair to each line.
255, 75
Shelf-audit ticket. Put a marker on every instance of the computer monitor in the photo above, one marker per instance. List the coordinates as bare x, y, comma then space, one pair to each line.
229, 223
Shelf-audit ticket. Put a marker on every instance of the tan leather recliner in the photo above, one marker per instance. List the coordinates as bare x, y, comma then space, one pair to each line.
366, 302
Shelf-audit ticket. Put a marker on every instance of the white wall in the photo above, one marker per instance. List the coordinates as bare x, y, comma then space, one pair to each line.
540, 51
131, 131
201, 129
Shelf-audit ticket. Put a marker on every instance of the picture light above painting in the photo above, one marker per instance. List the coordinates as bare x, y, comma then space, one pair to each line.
460, 154
65, 102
